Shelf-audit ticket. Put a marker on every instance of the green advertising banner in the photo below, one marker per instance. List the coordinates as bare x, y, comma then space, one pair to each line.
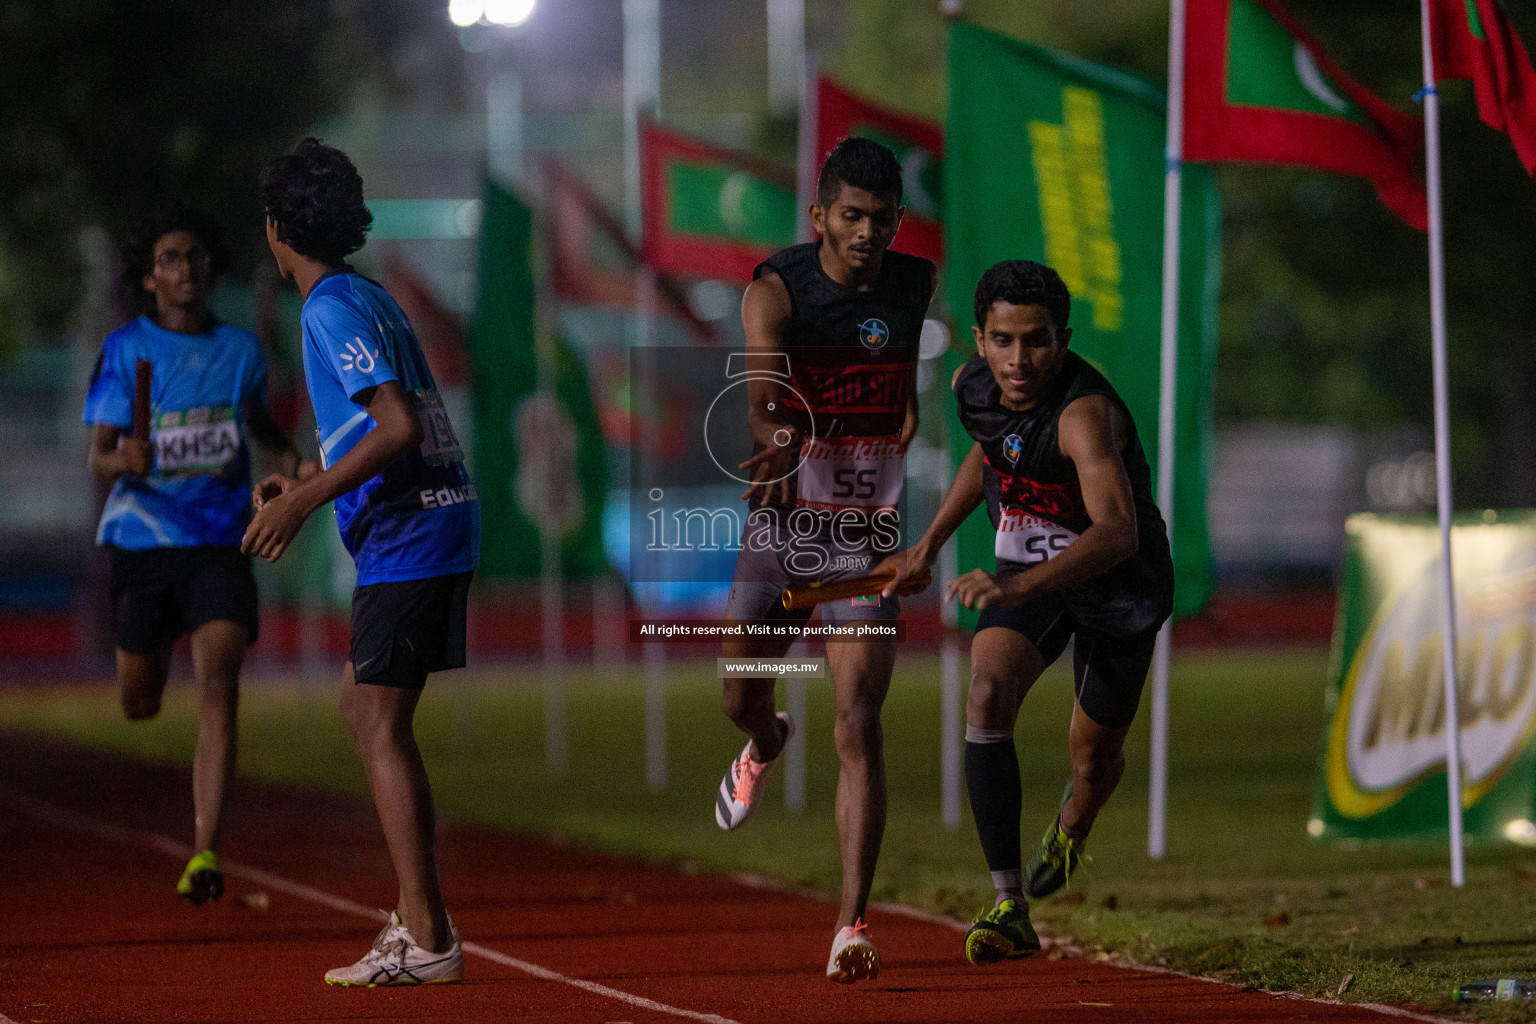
1051, 158
538, 458
1382, 773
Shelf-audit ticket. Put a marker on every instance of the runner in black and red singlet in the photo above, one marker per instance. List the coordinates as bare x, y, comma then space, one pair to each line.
832, 331
1082, 554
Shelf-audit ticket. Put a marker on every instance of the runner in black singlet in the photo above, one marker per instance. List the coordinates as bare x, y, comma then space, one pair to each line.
1082, 552
832, 335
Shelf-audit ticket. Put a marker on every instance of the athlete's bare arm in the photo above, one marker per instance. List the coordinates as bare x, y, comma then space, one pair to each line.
283, 503
909, 427
765, 313
1091, 432
265, 432
964, 494
114, 453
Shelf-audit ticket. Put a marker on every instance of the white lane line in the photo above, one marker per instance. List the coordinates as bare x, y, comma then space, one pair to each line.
902, 910
63, 817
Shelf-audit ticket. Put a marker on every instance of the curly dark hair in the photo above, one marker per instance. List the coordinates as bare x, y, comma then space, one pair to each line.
138, 246
315, 196
1023, 283
861, 163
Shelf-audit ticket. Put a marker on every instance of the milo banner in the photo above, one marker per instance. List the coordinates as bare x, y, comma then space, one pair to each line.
1054, 159
1383, 766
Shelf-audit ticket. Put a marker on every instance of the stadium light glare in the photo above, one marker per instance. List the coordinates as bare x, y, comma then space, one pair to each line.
1520, 831
508, 12
465, 13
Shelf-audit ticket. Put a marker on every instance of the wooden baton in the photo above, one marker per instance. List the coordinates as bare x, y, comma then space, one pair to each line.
808, 595
143, 370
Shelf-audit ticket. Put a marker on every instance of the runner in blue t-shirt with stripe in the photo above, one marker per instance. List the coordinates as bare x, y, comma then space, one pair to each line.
407, 513
180, 501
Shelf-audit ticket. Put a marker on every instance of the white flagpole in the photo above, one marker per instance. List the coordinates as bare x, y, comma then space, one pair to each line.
642, 97
1167, 434
1442, 444
807, 162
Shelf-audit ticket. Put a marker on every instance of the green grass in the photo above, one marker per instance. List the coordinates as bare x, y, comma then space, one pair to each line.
1246, 730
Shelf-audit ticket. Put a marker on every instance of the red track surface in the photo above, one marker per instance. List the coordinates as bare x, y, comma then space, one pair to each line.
93, 933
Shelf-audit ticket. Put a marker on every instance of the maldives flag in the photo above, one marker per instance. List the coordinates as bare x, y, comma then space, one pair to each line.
709, 212
1474, 39
1257, 88
918, 145
579, 224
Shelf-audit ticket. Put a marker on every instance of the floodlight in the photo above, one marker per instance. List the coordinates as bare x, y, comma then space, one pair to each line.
465, 13
508, 12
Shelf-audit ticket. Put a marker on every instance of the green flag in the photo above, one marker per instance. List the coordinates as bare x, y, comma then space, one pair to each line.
1052, 158
538, 454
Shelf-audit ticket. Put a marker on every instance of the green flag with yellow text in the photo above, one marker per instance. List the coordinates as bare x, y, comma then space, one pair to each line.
1052, 158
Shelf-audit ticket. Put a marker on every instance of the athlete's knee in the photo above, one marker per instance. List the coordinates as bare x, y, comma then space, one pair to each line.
990, 700
856, 732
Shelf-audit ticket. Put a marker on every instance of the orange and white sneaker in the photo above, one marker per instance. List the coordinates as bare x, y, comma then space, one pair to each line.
854, 957
745, 780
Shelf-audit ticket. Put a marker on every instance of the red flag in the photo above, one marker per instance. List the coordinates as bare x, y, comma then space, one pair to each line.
918, 145
574, 213
1474, 39
437, 327
1258, 88
714, 213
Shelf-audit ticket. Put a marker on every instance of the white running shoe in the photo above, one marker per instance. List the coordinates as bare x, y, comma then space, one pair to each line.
742, 788
395, 959
854, 957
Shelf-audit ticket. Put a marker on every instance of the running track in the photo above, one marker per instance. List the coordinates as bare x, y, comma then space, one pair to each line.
91, 845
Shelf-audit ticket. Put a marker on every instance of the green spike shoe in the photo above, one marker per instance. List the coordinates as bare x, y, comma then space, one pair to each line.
1052, 862
1001, 932
202, 880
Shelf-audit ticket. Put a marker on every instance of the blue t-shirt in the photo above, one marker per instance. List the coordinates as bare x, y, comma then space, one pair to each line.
420, 517
199, 492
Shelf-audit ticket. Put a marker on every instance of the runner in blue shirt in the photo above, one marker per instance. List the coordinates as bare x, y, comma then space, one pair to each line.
179, 505
407, 513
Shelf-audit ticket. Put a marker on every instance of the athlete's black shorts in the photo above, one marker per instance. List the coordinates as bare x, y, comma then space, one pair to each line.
1108, 672
159, 594
403, 631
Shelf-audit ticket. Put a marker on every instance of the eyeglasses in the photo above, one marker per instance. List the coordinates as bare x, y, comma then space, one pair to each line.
168, 259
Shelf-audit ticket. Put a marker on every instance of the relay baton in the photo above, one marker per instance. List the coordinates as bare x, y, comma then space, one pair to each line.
808, 595
143, 369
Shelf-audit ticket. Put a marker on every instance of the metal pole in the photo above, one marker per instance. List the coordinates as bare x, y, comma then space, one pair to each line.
552, 619
951, 689
642, 97
1442, 445
1167, 421
656, 716
794, 750
808, 162
504, 124
786, 54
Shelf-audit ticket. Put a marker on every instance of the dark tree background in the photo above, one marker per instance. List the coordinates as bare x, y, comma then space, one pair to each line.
109, 107
1325, 302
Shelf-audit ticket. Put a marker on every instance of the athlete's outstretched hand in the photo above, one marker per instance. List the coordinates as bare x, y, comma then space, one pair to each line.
274, 526
977, 589
772, 468
904, 564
